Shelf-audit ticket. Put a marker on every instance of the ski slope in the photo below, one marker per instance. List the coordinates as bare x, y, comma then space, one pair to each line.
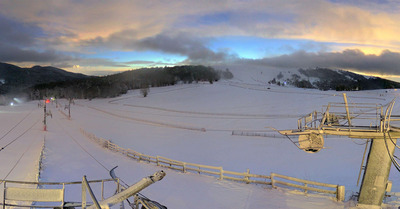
191, 123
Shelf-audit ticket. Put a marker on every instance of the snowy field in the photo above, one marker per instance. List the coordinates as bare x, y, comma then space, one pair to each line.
190, 123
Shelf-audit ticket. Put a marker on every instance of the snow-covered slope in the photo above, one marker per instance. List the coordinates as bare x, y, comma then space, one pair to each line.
170, 122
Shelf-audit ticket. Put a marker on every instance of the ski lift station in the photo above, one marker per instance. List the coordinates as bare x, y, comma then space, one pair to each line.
372, 122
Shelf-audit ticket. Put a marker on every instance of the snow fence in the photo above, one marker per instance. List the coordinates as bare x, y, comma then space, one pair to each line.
275, 180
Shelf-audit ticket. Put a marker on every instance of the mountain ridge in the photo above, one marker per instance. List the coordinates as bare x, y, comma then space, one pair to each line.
339, 80
38, 82
15, 79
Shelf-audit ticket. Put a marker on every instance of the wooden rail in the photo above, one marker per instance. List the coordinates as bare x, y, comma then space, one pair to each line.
307, 185
219, 172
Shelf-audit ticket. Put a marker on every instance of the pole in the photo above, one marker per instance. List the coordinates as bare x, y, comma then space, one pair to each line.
347, 109
376, 172
362, 162
130, 191
44, 116
86, 184
69, 109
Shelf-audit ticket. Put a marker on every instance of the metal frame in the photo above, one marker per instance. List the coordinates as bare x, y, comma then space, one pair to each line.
356, 122
104, 203
37, 191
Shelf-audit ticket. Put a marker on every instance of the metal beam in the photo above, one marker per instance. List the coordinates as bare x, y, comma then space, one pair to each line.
376, 173
347, 109
132, 190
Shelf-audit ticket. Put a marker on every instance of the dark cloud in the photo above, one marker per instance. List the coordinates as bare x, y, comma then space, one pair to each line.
197, 52
102, 72
148, 63
21, 42
183, 44
62, 65
99, 62
387, 63
10, 53
18, 33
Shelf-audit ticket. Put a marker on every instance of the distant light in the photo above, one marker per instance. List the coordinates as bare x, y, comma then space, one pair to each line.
12, 103
17, 100
47, 101
52, 99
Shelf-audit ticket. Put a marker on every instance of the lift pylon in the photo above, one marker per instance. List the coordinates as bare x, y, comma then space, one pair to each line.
356, 120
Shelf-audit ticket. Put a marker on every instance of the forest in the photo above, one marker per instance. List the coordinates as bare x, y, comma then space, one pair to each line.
117, 84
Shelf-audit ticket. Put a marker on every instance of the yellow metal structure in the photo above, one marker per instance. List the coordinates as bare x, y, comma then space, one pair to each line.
363, 121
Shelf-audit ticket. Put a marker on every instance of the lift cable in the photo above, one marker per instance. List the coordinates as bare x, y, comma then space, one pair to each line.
94, 158
87, 152
16, 125
390, 137
19, 159
395, 163
1, 149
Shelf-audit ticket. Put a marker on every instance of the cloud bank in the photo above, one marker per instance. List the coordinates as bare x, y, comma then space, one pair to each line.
387, 63
72, 33
191, 46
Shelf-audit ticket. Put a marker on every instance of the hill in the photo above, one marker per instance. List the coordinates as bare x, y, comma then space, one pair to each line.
313, 78
339, 80
39, 82
117, 84
14, 79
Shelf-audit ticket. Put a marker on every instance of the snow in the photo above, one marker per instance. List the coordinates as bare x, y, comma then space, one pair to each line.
190, 123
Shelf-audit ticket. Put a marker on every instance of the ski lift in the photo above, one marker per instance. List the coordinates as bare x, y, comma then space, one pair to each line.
362, 121
311, 143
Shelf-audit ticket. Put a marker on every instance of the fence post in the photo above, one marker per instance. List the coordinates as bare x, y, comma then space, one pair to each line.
184, 167
158, 160
4, 194
102, 189
246, 177
221, 173
83, 195
273, 181
305, 190
340, 193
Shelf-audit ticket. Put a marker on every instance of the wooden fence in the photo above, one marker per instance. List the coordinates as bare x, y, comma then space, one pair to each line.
219, 172
306, 185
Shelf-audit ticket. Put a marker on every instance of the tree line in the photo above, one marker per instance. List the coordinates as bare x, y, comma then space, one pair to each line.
117, 84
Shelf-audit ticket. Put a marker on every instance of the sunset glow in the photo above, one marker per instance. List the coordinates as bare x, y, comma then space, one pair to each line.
103, 37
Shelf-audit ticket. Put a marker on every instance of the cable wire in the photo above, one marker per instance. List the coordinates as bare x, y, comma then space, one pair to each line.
1, 149
94, 158
19, 159
395, 163
87, 152
16, 125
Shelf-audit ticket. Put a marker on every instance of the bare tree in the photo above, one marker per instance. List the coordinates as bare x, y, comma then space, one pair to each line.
145, 90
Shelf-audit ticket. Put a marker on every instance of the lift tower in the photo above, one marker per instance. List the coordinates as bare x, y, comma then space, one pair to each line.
356, 120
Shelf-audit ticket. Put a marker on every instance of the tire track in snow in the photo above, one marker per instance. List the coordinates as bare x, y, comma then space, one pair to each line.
150, 122
259, 87
252, 116
170, 90
170, 125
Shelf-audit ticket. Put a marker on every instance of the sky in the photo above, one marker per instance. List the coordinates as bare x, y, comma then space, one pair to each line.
99, 37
